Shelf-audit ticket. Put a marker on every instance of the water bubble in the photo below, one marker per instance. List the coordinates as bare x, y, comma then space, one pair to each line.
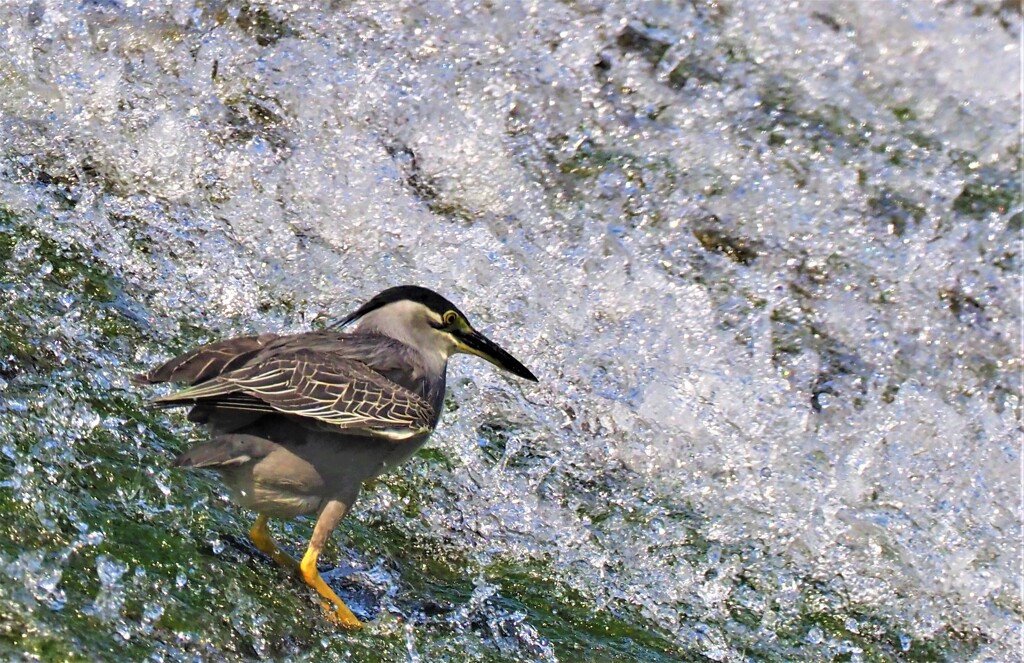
40, 576
152, 611
93, 538
109, 570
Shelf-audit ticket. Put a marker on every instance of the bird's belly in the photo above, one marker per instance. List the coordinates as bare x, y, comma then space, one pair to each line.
341, 462
298, 477
398, 455
275, 499
279, 503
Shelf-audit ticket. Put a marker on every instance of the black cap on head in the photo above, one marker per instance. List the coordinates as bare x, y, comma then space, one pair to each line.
466, 338
413, 293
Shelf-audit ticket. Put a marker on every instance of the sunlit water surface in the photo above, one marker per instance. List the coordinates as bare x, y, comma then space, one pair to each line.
765, 258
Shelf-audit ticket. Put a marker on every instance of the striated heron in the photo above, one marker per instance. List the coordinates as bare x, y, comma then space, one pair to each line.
298, 422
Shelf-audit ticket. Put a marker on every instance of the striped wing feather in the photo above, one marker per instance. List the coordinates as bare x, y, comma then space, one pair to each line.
343, 393
207, 361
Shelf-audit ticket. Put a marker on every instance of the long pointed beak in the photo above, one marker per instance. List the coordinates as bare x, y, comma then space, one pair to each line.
474, 343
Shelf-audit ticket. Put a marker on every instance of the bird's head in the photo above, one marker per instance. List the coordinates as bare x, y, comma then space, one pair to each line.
425, 320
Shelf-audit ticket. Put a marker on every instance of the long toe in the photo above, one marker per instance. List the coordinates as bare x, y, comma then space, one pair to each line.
340, 615
337, 612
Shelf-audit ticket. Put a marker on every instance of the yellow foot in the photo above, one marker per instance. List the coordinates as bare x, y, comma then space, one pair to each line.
264, 541
340, 615
337, 611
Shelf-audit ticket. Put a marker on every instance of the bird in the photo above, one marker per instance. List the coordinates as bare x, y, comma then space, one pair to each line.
298, 422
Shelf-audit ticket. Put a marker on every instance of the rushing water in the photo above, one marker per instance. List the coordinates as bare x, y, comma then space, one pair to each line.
765, 258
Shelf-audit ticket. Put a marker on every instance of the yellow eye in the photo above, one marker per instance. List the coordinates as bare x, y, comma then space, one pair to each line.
450, 317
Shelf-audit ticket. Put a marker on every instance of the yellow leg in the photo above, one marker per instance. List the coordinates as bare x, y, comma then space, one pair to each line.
337, 611
264, 541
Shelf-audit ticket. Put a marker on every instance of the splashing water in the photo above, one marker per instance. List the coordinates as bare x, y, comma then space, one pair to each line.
765, 259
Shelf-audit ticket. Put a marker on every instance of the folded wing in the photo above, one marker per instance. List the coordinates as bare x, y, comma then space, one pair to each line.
339, 392
207, 361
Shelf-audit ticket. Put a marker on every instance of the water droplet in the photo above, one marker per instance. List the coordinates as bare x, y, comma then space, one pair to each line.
109, 570
152, 612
